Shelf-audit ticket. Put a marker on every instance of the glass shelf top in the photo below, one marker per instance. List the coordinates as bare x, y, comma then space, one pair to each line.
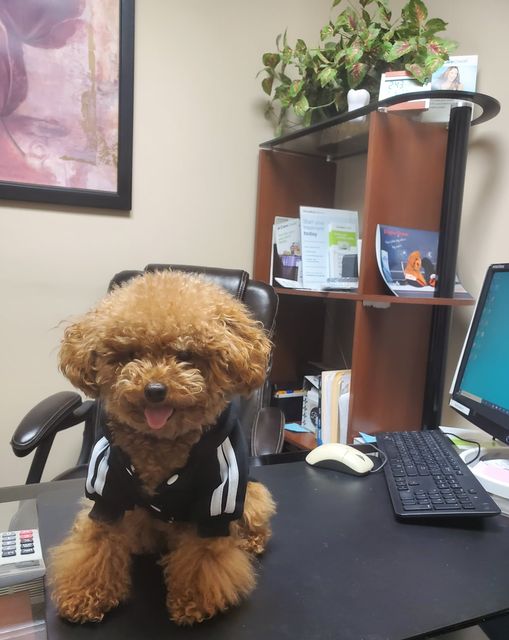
347, 134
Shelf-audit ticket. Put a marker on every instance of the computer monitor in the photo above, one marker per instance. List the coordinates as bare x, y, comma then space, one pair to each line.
480, 389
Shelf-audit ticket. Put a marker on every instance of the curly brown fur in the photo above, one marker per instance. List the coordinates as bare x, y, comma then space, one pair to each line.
189, 335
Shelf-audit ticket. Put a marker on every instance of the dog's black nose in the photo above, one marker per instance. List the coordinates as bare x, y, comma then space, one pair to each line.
155, 391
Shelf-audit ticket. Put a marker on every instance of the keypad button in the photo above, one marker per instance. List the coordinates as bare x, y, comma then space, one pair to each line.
417, 507
446, 507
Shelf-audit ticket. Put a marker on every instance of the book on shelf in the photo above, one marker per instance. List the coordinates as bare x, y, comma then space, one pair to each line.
329, 239
344, 406
407, 261
311, 404
286, 258
325, 405
334, 386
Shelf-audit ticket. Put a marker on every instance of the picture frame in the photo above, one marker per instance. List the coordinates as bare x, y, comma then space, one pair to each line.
95, 169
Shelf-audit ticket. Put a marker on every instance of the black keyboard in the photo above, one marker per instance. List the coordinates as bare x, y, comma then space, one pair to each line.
427, 478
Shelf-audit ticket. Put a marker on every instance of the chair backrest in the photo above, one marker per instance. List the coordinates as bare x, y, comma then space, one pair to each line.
66, 409
261, 300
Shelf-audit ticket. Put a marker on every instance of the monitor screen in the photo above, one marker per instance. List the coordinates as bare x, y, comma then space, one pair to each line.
480, 389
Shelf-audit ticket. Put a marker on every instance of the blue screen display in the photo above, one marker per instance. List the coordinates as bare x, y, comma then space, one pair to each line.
486, 375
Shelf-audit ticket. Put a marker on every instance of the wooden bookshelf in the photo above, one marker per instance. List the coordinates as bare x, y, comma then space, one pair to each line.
389, 337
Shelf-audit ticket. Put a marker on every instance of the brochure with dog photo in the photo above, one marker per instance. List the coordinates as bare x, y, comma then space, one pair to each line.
407, 260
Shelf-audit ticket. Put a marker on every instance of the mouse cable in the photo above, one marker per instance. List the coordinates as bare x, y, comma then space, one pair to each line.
452, 435
379, 454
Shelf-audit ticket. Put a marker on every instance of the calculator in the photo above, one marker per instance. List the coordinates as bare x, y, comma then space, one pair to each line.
21, 558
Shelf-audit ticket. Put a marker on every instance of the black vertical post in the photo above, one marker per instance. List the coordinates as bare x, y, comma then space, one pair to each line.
452, 200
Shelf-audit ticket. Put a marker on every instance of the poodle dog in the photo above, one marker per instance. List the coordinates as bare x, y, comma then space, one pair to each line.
165, 353
413, 272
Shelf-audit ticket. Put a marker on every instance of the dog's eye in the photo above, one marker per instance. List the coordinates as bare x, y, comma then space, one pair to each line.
183, 356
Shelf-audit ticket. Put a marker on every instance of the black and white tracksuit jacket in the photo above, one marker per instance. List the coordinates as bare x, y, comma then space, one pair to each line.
209, 490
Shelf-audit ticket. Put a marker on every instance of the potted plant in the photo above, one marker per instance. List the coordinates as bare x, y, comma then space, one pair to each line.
356, 47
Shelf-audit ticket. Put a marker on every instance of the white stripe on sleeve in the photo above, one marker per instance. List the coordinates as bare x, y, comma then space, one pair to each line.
217, 496
233, 476
102, 471
100, 446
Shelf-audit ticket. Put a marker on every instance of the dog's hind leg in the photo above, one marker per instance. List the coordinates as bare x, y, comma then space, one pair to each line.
90, 571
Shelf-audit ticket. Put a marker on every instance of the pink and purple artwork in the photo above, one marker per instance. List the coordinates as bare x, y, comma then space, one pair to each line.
59, 93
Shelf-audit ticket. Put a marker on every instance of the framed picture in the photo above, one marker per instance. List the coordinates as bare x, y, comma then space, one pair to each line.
66, 101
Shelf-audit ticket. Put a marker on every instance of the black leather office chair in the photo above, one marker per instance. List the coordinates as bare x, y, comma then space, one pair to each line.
263, 425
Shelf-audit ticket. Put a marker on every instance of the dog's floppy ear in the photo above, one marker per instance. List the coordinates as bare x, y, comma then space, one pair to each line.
245, 350
77, 355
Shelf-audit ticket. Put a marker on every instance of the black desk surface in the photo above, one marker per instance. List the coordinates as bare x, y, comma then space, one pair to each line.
339, 566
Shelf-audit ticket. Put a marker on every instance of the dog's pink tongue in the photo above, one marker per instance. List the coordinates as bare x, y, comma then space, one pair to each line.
157, 416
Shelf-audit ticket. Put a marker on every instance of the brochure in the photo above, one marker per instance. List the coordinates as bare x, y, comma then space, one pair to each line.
286, 259
407, 260
329, 239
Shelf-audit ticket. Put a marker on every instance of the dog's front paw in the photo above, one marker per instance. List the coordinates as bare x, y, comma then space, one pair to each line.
187, 608
206, 577
89, 572
84, 605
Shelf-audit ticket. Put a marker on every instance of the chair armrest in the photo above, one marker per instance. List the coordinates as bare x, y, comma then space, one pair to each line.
53, 414
267, 435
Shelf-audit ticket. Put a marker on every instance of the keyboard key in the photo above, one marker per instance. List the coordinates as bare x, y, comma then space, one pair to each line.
447, 507
417, 507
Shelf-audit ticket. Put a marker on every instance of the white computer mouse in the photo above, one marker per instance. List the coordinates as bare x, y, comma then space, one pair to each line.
340, 457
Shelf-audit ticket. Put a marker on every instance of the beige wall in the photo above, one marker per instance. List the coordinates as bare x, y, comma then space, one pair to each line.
198, 122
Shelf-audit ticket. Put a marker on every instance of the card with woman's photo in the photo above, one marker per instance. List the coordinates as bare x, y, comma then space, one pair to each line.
459, 73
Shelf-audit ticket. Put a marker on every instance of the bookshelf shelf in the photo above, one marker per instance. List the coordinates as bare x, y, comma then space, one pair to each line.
376, 298
414, 176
